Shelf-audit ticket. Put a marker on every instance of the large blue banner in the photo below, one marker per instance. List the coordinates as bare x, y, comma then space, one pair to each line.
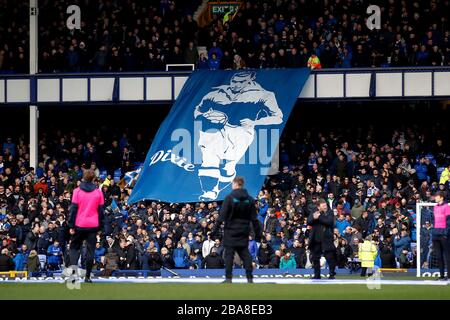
223, 124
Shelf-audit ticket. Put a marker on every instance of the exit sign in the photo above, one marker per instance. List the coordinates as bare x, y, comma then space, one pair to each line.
221, 8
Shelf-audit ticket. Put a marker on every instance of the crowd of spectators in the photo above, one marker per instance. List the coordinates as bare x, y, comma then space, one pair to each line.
277, 34
137, 35
372, 187
120, 35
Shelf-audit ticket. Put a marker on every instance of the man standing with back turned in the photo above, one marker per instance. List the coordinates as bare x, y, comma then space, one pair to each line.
321, 238
238, 212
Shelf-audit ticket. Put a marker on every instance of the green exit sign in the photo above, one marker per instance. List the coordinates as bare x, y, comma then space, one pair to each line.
223, 8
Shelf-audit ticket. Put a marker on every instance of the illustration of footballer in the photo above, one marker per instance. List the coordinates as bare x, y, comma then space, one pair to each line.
229, 115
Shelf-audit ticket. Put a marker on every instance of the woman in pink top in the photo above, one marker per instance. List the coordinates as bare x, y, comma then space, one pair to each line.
86, 219
440, 239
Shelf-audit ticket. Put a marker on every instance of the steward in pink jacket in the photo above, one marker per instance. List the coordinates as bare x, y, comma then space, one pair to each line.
87, 210
440, 234
85, 221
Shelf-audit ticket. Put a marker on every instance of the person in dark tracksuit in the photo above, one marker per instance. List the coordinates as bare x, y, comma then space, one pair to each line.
85, 220
321, 238
238, 212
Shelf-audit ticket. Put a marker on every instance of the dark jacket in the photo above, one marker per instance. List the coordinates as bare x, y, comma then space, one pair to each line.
271, 225
299, 254
274, 262
153, 261
404, 262
131, 257
213, 261
122, 253
167, 261
363, 224
322, 231
31, 240
342, 254
6, 263
387, 256
264, 255
43, 242
238, 212
32, 263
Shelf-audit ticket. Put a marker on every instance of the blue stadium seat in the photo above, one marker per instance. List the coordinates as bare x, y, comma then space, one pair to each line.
117, 174
431, 157
439, 172
103, 174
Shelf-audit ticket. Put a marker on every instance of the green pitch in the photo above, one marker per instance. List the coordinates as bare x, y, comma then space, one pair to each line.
221, 291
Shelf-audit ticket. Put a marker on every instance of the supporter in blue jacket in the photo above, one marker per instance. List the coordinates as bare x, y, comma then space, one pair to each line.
262, 212
194, 261
54, 253
213, 62
215, 50
252, 247
190, 239
197, 245
10, 146
180, 256
422, 170
341, 224
20, 258
400, 242
99, 253
344, 58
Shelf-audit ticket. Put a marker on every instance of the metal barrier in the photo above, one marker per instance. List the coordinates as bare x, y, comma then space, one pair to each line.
92, 88
360, 84
163, 87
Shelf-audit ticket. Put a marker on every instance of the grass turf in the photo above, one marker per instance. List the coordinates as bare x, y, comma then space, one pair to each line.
112, 291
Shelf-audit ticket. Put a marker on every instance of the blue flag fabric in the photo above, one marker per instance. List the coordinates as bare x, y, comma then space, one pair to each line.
223, 124
114, 206
131, 176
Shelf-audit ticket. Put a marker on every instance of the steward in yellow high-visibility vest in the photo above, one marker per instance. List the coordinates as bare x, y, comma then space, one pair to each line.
367, 252
314, 62
445, 175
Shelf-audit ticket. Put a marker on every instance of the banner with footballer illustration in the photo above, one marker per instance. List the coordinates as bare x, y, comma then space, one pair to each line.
223, 124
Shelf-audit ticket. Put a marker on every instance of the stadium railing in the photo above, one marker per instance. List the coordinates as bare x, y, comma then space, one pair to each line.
354, 84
